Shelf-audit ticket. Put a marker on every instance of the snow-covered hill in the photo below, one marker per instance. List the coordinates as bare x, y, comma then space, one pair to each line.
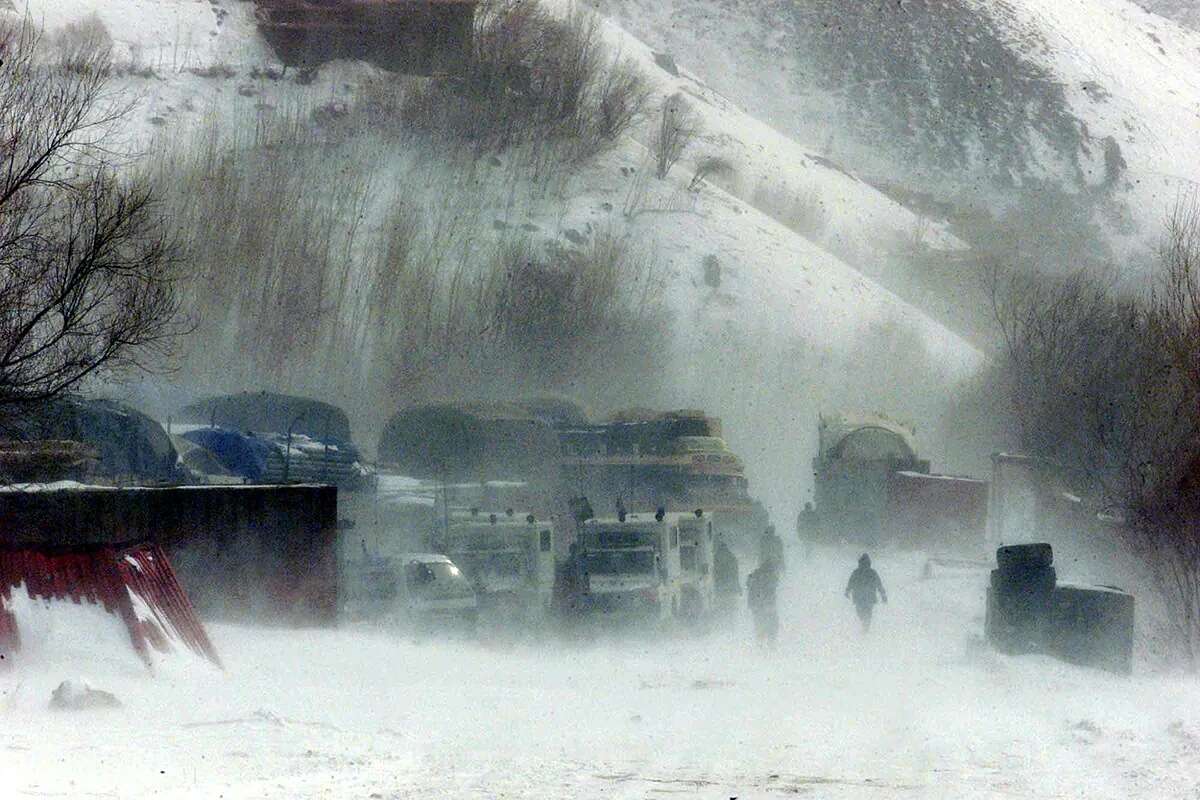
183, 41
1185, 12
975, 101
781, 296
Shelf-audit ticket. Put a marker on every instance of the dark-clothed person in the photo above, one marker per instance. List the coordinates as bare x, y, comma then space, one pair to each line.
726, 577
863, 588
806, 529
570, 584
760, 596
770, 548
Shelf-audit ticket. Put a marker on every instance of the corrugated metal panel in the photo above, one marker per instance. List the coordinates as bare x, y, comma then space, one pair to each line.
123, 581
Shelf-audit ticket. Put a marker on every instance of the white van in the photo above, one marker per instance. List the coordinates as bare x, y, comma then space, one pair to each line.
418, 591
509, 559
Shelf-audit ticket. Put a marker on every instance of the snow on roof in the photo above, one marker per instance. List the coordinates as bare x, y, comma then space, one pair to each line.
428, 558
74, 486
53, 486
838, 425
934, 477
1091, 587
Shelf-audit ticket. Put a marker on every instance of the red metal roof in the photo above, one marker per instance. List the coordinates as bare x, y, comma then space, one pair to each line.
137, 583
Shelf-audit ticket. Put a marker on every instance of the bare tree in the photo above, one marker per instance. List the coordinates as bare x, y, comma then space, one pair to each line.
1166, 518
708, 168
677, 126
87, 268
621, 98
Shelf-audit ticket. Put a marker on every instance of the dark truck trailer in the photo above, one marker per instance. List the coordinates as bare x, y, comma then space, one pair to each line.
260, 553
1093, 626
936, 513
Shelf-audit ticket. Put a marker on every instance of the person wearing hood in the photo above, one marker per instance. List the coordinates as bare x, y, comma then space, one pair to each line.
863, 587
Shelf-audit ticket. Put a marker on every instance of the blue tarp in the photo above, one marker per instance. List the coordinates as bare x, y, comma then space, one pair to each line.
240, 454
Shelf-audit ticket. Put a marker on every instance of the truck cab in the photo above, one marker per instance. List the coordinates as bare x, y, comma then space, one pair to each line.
508, 558
647, 566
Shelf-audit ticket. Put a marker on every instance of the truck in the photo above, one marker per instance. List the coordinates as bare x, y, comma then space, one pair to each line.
872, 489
508, 558
647, 568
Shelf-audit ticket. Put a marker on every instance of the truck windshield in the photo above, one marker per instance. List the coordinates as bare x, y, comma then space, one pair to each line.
621, 562
436, 579
492, 565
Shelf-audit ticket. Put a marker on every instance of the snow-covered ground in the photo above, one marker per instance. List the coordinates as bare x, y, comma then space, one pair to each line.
920, 708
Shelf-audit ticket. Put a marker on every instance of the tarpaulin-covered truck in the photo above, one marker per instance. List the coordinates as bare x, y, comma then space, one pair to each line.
871, 488
856, 454
266, 437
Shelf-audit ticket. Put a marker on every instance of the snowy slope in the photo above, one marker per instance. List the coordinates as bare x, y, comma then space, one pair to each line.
181, 38
188, 62
1130, 75
169, 36
1185, 12
920, 709
779, 292
969, 99
793, 286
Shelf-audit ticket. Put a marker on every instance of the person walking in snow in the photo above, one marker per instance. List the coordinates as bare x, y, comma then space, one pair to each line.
760, 596
726, 578
727, 581
806, 529
770, 548
862, 588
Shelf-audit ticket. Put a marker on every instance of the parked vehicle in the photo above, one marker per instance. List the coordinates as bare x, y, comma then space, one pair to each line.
422, 592
696, 553
508, 558
635, 567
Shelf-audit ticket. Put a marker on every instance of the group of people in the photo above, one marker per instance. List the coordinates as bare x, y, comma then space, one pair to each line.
864, 588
